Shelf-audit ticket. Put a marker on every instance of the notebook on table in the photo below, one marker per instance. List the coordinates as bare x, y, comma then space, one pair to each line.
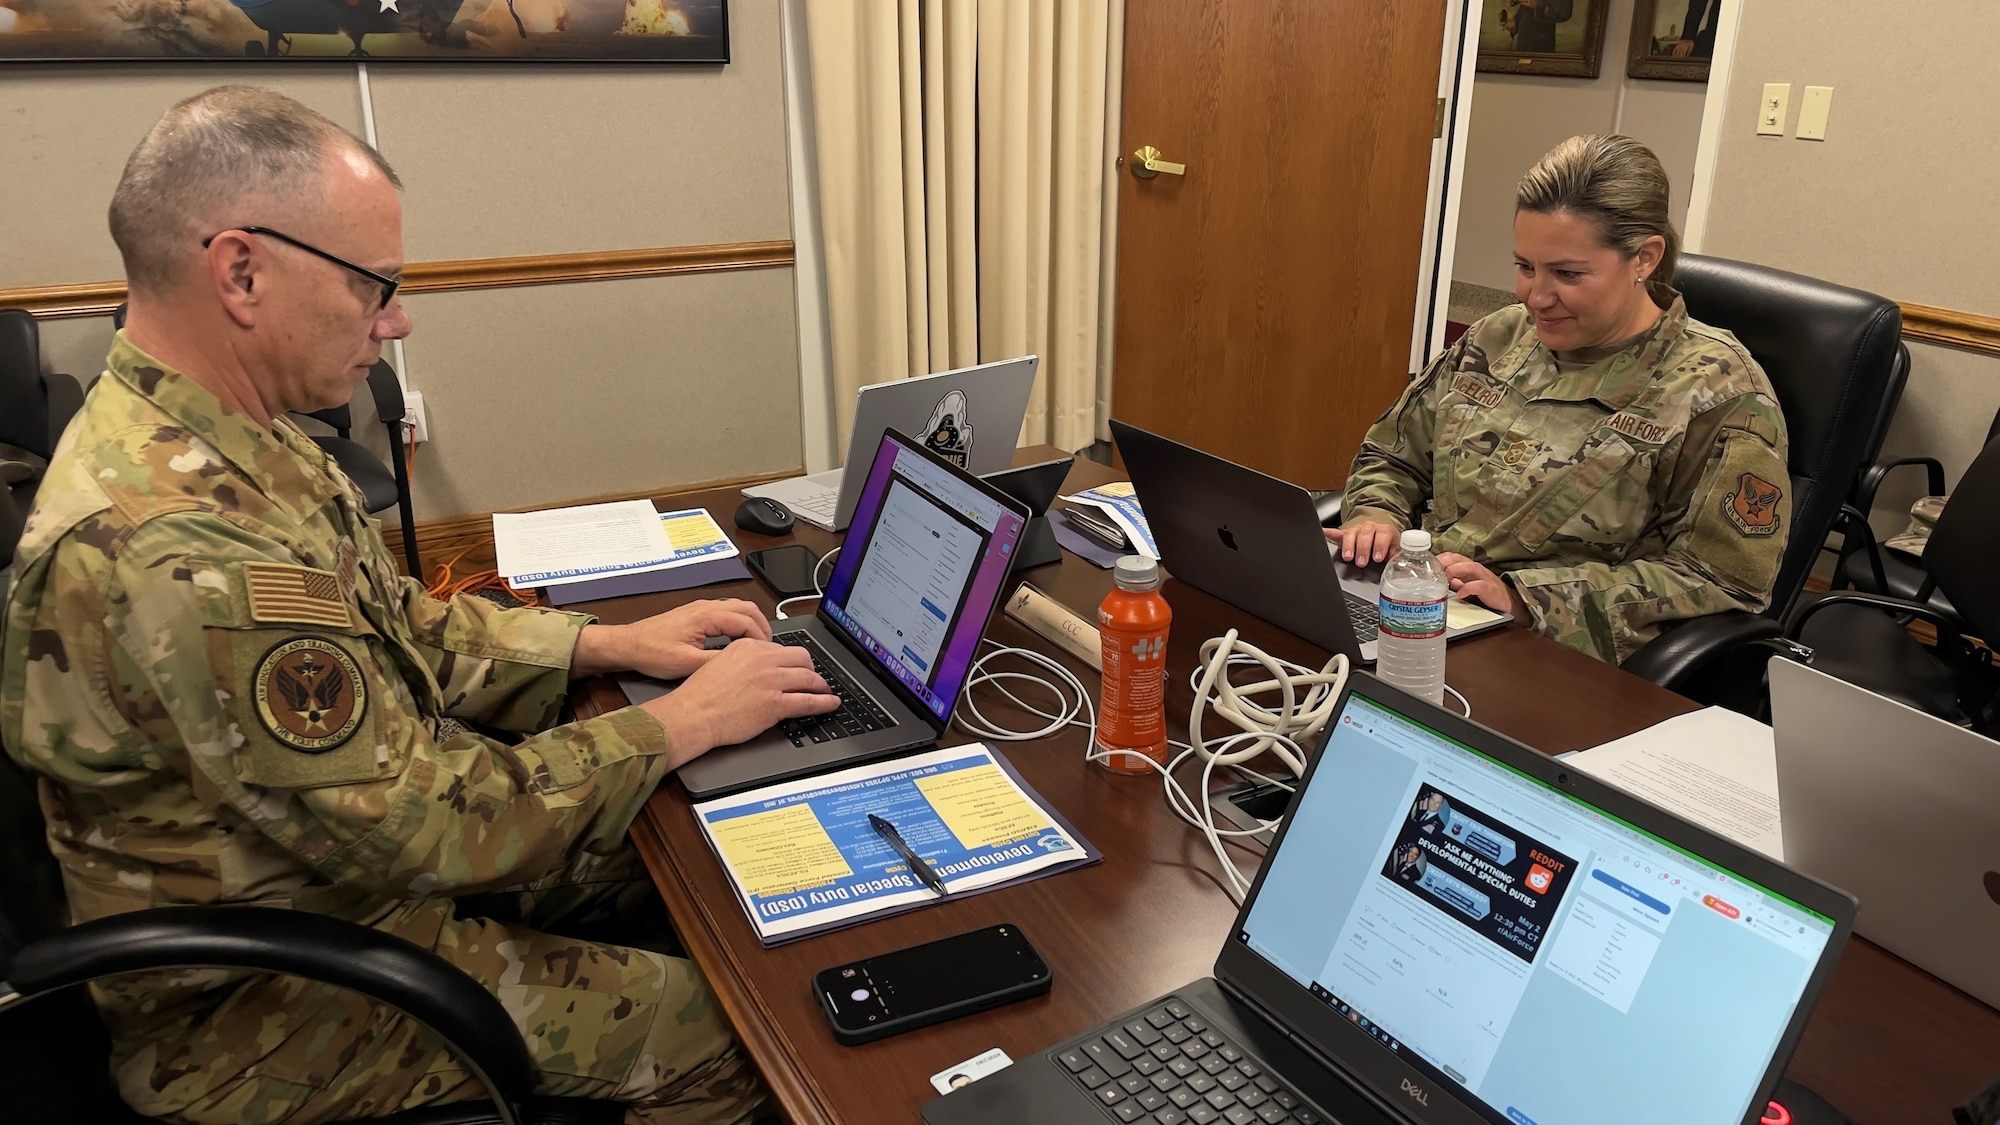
1451, 928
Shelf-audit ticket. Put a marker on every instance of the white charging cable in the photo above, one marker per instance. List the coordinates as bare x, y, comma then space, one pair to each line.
818, 590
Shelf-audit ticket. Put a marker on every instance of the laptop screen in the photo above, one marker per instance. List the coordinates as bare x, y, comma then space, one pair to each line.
921, 571
1504, 936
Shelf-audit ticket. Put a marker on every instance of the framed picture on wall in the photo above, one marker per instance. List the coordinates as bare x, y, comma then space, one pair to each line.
1564, 38
1673, 39
692, 31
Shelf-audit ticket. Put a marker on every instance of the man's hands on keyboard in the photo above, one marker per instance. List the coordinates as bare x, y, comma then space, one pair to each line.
743, 691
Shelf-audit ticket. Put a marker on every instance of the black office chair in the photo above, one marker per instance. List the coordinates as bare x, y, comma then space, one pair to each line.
382, 486
55, 1054
34, 409
1877, 568
1836, 360
1862, 638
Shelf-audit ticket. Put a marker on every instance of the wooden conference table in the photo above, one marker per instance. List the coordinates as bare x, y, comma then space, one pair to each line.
1887, 1042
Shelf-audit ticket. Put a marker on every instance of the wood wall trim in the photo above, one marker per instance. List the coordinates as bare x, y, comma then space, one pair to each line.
1967, 331
440, 539
99, 298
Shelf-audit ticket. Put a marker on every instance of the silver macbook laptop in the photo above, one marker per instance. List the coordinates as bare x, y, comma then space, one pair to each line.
898, 628
1255, 542
1453, 929
971, 417
1898, 807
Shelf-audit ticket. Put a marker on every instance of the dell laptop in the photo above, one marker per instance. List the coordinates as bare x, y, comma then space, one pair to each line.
1897, 806
1255, 542
897, 629
970, 417
1453, 929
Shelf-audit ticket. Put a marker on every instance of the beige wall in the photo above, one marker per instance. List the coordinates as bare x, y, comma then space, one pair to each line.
1516, 118
534, 395
1899, 197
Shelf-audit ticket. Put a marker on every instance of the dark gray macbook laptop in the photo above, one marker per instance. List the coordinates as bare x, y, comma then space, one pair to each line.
897, 629
1255, 542
1453, 929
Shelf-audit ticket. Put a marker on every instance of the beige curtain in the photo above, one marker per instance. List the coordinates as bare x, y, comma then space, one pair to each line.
964, 151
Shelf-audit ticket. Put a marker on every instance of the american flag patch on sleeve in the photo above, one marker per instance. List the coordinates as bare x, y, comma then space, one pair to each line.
297, 595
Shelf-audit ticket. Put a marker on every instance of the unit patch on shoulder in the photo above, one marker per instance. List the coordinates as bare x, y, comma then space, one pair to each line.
309, 693
297, 595
1478, 390
1753, 507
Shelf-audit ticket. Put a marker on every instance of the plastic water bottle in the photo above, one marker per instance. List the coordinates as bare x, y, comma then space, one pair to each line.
1132, 628
1409, 643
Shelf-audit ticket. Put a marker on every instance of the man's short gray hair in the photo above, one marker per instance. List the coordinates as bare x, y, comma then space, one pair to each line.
216, 160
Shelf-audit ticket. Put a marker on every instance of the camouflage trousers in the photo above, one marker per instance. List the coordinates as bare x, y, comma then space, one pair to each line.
606, 1011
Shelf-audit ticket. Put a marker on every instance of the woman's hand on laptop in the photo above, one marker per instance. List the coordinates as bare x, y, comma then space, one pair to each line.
747, 689
1365, 541
1472, 580
667, 645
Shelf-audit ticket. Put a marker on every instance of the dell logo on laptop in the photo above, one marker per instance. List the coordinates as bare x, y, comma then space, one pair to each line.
1421, 1095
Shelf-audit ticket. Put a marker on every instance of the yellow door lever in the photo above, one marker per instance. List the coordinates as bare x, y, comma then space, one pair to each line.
1146, 164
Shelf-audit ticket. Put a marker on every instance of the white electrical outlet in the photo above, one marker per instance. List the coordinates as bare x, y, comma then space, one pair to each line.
413, 416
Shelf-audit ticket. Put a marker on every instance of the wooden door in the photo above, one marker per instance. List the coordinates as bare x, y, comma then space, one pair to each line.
1266, 297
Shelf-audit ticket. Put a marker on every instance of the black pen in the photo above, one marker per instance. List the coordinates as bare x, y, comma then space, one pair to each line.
918, 867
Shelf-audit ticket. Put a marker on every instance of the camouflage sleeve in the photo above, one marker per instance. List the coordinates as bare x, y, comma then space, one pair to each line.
504, 668
1391, 477
296, 713
1724, 521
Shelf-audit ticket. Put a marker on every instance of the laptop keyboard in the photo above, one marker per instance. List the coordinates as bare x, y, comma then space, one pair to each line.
1364, 616
1168, 1067
857, 714
821, 504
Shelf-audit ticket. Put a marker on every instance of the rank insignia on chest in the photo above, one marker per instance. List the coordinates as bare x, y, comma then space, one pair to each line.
1478, 390
1753, 507
347, 559
309, 694
1516, 454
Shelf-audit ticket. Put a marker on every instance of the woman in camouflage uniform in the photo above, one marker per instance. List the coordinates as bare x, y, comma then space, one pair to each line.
1592, 459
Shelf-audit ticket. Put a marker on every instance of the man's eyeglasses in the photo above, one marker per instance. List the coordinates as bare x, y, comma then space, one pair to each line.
389, 284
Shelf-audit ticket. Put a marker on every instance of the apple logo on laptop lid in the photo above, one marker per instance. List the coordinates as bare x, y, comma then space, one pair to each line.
1993, 885
1228, 537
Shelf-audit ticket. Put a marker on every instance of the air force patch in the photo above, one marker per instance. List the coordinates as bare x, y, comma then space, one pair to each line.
309, 694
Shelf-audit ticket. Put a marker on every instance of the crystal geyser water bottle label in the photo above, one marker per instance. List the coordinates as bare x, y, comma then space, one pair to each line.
1411, 621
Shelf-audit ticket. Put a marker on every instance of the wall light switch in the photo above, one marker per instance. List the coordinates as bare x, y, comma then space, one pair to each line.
1813, 107
1771, 110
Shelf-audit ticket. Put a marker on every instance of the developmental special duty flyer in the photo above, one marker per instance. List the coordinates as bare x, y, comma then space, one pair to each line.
804, 858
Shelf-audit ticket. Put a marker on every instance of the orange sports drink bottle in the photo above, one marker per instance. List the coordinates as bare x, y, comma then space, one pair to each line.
1132, 705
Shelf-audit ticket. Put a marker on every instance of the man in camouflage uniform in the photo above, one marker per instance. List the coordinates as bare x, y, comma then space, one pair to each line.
1613, 489
233, 697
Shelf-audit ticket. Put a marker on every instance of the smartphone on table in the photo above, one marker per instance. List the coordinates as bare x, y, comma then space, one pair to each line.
930, 983
788, 570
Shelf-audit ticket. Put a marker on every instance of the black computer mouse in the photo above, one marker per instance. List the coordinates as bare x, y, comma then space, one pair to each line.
764, 516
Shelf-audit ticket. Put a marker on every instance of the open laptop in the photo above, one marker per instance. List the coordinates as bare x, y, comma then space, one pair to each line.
970, 417
896, 631
1897, 806
1452, 928
1255, 542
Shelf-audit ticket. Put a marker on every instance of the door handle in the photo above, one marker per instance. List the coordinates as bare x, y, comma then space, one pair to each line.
1146, 164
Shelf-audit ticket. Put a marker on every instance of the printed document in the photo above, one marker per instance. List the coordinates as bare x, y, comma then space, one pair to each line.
1713, 766
804, 858
587, 541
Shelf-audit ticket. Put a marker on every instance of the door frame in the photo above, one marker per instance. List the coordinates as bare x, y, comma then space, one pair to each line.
1455, 77
1715, 103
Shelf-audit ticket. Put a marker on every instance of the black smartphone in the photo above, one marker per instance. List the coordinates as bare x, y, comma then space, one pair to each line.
930, 983
788, 570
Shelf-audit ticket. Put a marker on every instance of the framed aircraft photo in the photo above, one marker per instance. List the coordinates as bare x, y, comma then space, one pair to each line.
692, 31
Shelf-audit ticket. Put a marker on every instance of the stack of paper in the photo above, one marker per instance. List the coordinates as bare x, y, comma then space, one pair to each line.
1120, 503
1713, 766
561, 546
